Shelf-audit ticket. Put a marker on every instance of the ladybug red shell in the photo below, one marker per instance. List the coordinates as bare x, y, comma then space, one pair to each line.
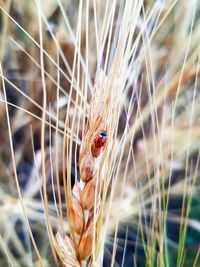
100, 139
98, 143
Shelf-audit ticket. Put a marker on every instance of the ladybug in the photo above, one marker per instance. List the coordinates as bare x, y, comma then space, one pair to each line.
100, 139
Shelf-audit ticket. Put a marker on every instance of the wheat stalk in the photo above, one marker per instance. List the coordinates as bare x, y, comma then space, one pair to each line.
84, 202
91, 191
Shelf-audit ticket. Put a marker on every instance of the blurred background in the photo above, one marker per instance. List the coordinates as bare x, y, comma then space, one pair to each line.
170, 71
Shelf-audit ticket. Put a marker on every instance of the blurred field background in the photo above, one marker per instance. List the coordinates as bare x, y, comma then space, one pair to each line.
156, 222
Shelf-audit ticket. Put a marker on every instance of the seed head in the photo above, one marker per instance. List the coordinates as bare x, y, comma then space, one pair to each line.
85, 246
88, 193
86, 165
67, 248
76, 216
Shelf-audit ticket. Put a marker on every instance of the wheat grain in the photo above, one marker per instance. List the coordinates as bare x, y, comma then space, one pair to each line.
84, 193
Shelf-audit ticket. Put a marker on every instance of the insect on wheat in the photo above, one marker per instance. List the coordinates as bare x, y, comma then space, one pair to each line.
84, 204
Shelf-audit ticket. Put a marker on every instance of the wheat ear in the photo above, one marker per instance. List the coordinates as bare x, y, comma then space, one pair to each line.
84, 203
